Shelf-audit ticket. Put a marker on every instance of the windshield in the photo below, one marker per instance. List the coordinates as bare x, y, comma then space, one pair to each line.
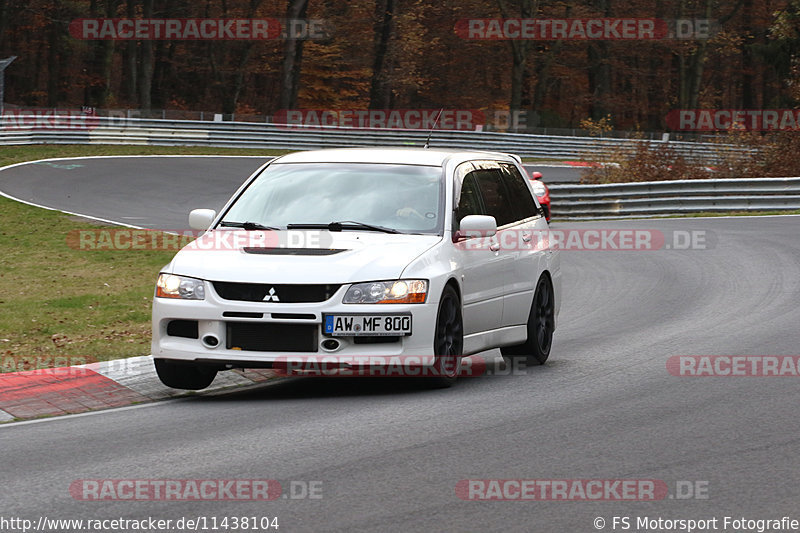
405, 198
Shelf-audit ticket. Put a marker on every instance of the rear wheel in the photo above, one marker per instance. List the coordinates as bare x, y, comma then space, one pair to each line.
541, 324
448, 340
184, 375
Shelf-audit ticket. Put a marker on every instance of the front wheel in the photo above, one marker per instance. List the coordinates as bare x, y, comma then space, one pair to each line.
541, 324
448, 340
184, 375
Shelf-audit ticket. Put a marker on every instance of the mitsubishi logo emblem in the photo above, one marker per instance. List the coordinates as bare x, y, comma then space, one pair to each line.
272, 296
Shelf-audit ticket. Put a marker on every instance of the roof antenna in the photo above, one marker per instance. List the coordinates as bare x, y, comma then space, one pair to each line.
435, 122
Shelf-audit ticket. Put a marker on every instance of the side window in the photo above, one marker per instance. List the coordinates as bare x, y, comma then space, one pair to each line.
522, 202
496, 199
469, 201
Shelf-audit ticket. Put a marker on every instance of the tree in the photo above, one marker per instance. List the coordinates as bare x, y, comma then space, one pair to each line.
292, 59
519, 49
145, 70
380, 89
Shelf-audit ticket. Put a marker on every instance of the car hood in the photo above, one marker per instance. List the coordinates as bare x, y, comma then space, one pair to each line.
311, 256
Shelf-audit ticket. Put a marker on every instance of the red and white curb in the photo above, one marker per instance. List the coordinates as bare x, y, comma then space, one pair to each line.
78, 389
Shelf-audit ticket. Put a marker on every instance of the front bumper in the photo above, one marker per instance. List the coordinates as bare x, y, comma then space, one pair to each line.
240, 334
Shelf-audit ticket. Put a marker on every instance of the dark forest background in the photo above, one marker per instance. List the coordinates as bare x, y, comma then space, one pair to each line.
406, 54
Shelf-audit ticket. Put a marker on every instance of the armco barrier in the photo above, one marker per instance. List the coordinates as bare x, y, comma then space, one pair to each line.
653, 198
568, 201
113, 130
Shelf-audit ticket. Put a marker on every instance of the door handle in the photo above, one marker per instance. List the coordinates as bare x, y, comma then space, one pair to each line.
526, 237
495, 246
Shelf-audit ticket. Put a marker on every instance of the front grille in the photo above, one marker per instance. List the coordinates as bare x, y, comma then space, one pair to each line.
259, 292
182, 328
268, 337
294, 316
241, 314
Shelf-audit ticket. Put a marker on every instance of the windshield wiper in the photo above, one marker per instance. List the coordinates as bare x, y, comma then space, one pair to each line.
249, 226
342, 225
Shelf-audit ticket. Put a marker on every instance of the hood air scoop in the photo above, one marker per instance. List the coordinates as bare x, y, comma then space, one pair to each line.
292, 251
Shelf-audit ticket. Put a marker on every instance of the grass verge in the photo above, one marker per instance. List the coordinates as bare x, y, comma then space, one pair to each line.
60, 305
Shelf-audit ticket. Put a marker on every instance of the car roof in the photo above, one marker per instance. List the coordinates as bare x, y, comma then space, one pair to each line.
399, 156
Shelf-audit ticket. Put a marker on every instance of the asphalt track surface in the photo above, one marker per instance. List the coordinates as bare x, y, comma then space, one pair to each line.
389, 454
556, 173
153, 192
148, 192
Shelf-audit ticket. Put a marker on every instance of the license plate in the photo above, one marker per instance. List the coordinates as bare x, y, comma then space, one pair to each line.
341, 325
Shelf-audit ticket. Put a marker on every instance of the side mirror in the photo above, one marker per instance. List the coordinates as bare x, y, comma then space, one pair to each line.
472, 226
201, 219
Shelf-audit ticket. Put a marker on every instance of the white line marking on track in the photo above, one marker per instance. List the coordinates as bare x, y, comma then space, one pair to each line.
107, 221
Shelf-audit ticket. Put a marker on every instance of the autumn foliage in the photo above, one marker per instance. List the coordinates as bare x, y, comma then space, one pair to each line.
737, 155
407, 54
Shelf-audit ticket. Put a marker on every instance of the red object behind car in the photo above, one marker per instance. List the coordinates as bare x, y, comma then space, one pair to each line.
542, 193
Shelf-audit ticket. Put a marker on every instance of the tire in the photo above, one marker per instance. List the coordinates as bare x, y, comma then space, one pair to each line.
184, 375
448, 340
541, 323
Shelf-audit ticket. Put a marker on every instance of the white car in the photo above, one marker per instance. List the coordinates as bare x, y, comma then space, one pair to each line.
347, 253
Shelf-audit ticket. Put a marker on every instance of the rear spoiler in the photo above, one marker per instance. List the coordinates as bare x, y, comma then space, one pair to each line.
516, 158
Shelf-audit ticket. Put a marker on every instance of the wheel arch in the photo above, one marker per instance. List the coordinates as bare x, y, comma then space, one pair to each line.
453, 282
554, 294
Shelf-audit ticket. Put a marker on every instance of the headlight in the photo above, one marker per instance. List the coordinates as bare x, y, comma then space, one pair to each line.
403, 291
171, 286
539, 188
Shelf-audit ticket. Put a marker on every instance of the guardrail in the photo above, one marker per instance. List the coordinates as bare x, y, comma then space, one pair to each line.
653, 198
568, 201
112, 130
